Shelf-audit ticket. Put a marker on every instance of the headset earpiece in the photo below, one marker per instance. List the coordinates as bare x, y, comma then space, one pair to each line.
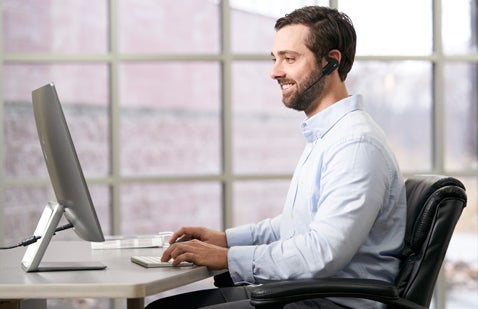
331, 65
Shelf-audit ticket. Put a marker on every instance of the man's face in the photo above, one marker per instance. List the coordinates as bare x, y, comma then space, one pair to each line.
295, 68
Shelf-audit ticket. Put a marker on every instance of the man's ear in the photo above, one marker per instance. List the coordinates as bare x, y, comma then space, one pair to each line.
334, 54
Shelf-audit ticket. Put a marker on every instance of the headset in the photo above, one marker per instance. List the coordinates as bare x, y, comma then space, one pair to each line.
331, 65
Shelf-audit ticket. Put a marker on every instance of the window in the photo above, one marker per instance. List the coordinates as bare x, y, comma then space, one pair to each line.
172, 110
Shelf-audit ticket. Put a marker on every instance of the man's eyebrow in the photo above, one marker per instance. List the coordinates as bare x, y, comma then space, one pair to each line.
284, 52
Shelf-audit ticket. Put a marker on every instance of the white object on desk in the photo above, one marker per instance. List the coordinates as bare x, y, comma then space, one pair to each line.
129, 242
155, 261
136, 241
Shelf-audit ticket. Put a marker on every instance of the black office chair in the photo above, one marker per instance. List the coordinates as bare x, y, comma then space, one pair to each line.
435, 204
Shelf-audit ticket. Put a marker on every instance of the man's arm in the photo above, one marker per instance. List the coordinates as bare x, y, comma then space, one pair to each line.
204, 234
210, 248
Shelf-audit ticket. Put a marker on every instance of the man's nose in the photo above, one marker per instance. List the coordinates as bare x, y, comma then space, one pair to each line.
276, 71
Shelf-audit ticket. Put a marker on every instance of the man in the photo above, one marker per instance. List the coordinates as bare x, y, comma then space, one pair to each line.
344, 215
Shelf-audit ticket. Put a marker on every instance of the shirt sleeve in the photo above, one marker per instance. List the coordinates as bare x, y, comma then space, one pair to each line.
242, 241
263, 232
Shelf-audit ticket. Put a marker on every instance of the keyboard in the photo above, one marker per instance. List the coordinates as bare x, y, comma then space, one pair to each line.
155, 261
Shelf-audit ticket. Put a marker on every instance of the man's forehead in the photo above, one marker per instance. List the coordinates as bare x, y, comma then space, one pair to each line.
290, 39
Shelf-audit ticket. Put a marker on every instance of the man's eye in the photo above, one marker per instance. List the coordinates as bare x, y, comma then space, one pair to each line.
289, 59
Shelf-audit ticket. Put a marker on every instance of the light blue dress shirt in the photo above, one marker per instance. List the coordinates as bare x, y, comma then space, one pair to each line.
345, 212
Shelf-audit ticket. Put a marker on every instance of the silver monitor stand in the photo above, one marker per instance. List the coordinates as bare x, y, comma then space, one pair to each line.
46, 227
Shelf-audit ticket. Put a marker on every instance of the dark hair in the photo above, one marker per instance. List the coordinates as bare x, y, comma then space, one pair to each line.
329, 29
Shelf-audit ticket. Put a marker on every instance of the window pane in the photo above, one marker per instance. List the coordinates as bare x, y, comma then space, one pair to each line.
460, 24
258, 200
181, 26
461, 113
391, 27
82, 89
58, 26
23, 154
22, 210
267, 136
461, 260
398, 96
170, 118
252, 22
154, 208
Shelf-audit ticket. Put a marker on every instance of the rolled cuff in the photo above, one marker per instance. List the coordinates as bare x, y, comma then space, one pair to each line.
240, 259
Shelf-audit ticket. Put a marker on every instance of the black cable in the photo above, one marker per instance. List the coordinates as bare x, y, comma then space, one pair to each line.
64, 227
33, 239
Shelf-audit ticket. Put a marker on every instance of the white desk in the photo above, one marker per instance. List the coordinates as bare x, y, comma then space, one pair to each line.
121, 278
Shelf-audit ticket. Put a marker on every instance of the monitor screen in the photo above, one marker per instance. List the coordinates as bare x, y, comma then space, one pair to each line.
63, 165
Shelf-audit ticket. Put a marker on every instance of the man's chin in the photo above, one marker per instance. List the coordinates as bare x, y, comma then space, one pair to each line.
292, 104
287, 104
289, 101
295, 107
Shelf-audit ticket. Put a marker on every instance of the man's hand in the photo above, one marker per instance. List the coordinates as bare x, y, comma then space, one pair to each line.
206, 235
197, 252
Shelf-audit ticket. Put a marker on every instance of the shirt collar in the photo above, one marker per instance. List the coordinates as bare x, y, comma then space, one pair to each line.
319, 124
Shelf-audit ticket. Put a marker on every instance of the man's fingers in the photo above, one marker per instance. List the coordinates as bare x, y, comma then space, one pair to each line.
185, 233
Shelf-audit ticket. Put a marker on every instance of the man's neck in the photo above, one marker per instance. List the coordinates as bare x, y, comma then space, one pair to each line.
337, 92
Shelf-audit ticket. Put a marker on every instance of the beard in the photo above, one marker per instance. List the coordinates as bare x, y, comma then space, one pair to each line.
304, 97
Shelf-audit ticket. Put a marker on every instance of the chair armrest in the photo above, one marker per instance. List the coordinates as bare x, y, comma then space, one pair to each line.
283, 292
223, 280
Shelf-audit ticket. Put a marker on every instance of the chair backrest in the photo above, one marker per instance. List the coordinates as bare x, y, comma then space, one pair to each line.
434, 205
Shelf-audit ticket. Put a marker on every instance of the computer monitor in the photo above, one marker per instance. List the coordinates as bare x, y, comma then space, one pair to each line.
73, 199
